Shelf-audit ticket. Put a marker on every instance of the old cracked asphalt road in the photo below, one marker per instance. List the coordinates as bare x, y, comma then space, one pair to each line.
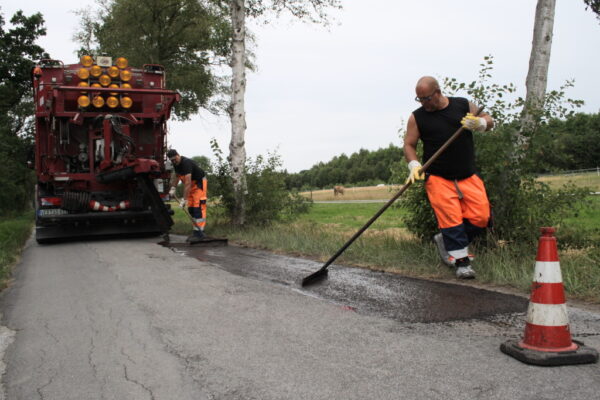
131, 319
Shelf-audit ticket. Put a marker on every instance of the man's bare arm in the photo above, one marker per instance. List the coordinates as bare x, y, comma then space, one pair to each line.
187, 185
411, 138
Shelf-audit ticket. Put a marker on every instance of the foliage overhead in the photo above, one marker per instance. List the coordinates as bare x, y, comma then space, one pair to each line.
313, 11
18, 52
187, 37
594, 5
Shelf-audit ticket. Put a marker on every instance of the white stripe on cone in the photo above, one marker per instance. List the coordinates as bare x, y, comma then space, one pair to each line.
547, 314
547, 272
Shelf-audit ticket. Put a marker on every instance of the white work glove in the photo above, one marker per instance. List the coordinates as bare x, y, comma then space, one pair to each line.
414, 167
172, 192
474, 123
182, 203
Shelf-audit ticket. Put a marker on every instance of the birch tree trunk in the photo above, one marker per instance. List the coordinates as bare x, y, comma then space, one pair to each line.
237, 113
537, 76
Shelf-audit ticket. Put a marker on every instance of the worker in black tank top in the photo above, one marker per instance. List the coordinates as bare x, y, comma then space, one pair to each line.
435, 128
456, 194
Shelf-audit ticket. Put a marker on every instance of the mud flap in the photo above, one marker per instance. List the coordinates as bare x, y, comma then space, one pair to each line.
159, 209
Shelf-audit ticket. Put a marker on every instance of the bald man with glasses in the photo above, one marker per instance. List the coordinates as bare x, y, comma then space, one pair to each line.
455, 191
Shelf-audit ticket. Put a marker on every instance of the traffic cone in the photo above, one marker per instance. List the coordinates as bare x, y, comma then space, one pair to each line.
547, 340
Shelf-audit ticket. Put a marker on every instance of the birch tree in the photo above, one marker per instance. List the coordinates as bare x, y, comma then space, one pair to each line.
314, 11
537, 76
237, 111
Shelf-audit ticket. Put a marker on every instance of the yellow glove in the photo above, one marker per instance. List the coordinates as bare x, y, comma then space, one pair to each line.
414, 167
474, 123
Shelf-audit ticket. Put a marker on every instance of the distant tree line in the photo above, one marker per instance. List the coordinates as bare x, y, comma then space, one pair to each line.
361, 168
568, 144
563, 144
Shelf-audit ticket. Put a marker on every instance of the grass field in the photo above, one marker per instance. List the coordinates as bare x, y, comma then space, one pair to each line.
358, 193
590, 179
353, 216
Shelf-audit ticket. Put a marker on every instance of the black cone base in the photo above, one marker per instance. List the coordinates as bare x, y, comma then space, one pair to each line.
582, 355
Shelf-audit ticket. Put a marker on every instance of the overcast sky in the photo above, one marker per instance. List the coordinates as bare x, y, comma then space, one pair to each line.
321, 92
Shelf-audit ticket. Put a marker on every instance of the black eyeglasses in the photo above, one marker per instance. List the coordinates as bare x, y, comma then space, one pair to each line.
426, 98
173, 159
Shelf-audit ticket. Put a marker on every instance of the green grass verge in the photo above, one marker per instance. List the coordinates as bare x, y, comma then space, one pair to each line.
354, 215
14, 232
386, 246
586, 218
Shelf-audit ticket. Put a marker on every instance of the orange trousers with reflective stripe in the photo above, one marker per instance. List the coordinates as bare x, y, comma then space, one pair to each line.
462, 210
196, 202
453, 201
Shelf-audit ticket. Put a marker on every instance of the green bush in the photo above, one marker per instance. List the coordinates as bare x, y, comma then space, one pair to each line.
267, 199
16, 180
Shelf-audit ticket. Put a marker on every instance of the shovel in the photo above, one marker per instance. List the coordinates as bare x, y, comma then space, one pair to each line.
322, 273
178, 200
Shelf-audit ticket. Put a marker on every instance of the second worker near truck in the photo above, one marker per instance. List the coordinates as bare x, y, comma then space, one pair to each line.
194, 190
456, 193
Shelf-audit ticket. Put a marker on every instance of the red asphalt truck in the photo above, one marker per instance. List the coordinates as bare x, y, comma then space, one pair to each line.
100, 140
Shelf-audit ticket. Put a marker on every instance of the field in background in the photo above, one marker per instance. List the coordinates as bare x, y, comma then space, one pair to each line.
354, 193
589, 179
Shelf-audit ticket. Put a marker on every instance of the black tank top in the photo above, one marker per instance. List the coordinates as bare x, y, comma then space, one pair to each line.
435, 128
187, 166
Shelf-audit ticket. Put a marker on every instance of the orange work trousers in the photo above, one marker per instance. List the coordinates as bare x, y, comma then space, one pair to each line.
462, 210
196, 202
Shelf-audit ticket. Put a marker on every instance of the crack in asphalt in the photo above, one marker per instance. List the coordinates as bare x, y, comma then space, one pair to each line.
41, 388
90, 355
49, 332
128, 379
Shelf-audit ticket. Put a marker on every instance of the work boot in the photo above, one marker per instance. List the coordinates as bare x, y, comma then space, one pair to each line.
464, 269
195, 237
445, 257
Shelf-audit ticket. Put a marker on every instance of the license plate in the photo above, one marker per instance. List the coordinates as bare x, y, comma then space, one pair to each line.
52, 211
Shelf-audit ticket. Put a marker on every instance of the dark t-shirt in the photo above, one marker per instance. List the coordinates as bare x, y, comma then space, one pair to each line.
187, 166
435, 128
